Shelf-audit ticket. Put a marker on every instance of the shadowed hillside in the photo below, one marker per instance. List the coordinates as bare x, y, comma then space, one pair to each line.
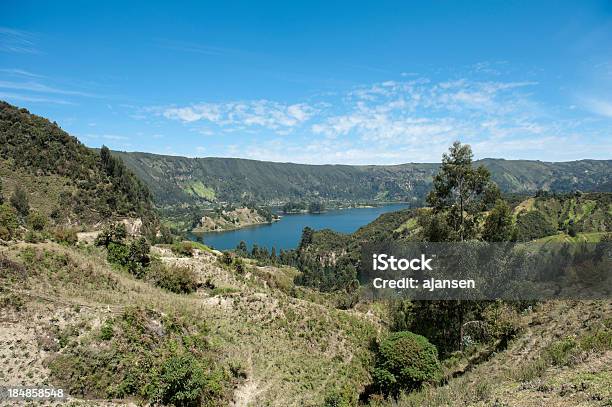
197, 180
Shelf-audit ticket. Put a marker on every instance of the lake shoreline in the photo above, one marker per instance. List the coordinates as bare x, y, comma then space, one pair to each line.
286, 232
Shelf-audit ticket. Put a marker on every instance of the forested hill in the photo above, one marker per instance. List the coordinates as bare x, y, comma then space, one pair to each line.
62, 178
178, 179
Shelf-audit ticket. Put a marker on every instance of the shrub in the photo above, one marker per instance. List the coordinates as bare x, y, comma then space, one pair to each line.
37, 221
19, 200
163, 359
344, 397
405, 361
180, 280
65, 235
114, 233
182, 380
226, 258
8, 222
239, 266
503, 321
183, 248
118, 254
533, 225
134, 257
33, 237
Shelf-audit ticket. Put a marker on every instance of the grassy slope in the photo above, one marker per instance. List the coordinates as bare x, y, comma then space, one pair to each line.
61, 174
293, 350
538, 368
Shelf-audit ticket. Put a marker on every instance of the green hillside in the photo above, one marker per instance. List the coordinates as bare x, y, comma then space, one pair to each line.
175, 180
63, 179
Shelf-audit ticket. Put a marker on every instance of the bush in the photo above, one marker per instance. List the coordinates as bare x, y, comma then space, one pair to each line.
118, 254
8, 222
65, 235
503, 321
533, 225
183, 248
405, 361
37, 221
33, 237
180, 280
345, 397
162, 359
19, 200
114, 233
134, 257
182, 381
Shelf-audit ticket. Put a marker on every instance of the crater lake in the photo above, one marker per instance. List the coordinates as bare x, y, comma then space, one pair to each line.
286, 233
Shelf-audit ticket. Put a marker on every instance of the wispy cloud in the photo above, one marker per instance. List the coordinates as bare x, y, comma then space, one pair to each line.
393, 122
198, 48
599, 106
20, 73
17, 41
35, 99
244, 114
41, 88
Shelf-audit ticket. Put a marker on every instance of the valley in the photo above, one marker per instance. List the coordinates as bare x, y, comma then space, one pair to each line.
99, 297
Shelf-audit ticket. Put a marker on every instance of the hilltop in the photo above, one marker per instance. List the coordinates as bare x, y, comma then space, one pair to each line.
63, 179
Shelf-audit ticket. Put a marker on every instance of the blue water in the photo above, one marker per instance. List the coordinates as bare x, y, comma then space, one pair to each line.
286, 233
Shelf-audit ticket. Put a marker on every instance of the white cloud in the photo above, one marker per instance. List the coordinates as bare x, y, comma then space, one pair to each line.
393, 122
17, 41
600, 107
254, 113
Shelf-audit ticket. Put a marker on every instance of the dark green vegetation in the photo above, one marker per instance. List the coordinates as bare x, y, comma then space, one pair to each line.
175, 180
133, 256
56, 174
160, 358
405, 361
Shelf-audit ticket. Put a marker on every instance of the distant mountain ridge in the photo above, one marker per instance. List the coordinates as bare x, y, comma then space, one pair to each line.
175, 180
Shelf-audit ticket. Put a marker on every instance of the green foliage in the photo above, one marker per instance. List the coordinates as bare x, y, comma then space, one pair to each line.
236, 180
133, 256
37, 221
405, 361
503, 320
533, 225
8, 222
226, 258
180, 280
99, 186
186, 248
65, 235
316, 207
118, 253
434, 227
293, 207
461, 192
183, 378
19, 201
113, 233
141, 353
343, 397
498, 223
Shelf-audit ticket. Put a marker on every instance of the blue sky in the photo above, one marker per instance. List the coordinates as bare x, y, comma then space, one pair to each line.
317, 82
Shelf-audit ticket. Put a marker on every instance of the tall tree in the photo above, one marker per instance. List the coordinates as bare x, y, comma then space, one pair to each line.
459, 191
498, 224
